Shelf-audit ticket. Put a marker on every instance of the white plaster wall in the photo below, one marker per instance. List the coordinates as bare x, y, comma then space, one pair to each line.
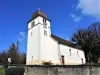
73, 58
48, 46
36, 22
45, 48
48, 25
32, 44
49, 50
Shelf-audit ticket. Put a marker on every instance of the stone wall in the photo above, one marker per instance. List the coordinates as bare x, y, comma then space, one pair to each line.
63, 70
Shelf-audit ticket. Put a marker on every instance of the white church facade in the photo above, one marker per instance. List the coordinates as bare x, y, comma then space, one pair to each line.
43, 46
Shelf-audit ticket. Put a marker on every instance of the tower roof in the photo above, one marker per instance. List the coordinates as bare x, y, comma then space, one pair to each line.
39, 13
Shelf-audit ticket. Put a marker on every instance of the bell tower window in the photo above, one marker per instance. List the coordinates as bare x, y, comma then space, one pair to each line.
44, 20
44, 23
33, 24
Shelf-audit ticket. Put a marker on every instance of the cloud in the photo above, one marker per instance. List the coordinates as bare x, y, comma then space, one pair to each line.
89, 7
75, 18
22, 36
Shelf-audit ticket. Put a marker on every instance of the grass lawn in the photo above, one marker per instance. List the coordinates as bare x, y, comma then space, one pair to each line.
2, 71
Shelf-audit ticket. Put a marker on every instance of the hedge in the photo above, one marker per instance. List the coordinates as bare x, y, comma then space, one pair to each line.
15, 71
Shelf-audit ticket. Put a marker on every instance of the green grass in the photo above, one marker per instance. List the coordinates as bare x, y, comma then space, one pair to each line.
2, 71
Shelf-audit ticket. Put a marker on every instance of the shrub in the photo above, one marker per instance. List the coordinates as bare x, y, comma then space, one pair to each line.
15, 71
47, 63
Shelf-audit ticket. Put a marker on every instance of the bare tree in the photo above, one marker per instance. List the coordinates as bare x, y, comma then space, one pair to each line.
89, 40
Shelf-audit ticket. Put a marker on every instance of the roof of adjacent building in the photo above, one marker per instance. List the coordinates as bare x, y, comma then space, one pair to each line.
65, 42
39, 13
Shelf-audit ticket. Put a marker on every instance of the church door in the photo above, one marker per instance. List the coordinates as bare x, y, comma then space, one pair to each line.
63, 61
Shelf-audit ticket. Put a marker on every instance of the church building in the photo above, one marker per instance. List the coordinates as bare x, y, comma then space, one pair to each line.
44, 47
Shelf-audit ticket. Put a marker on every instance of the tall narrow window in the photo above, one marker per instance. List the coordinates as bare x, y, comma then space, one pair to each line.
82, 60
45, 32
44, 20
33, 23
31, 33
77, 53
44, 23
70, 52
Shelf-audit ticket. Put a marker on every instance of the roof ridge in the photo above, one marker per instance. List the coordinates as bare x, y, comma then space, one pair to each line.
65, 42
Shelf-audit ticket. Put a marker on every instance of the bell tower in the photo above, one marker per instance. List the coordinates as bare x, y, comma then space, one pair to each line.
38, 34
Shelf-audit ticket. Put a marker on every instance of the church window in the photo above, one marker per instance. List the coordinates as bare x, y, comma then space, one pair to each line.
45, 25
45, 32
82, 60
77, 53
70, 51
44, 20
33, 23
31, 33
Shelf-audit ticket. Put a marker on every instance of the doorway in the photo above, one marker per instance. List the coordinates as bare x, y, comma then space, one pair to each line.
63, 60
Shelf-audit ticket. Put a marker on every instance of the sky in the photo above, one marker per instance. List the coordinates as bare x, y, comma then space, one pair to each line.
65, 15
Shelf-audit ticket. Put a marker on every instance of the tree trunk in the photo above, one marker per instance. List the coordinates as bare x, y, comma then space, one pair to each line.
87, 57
